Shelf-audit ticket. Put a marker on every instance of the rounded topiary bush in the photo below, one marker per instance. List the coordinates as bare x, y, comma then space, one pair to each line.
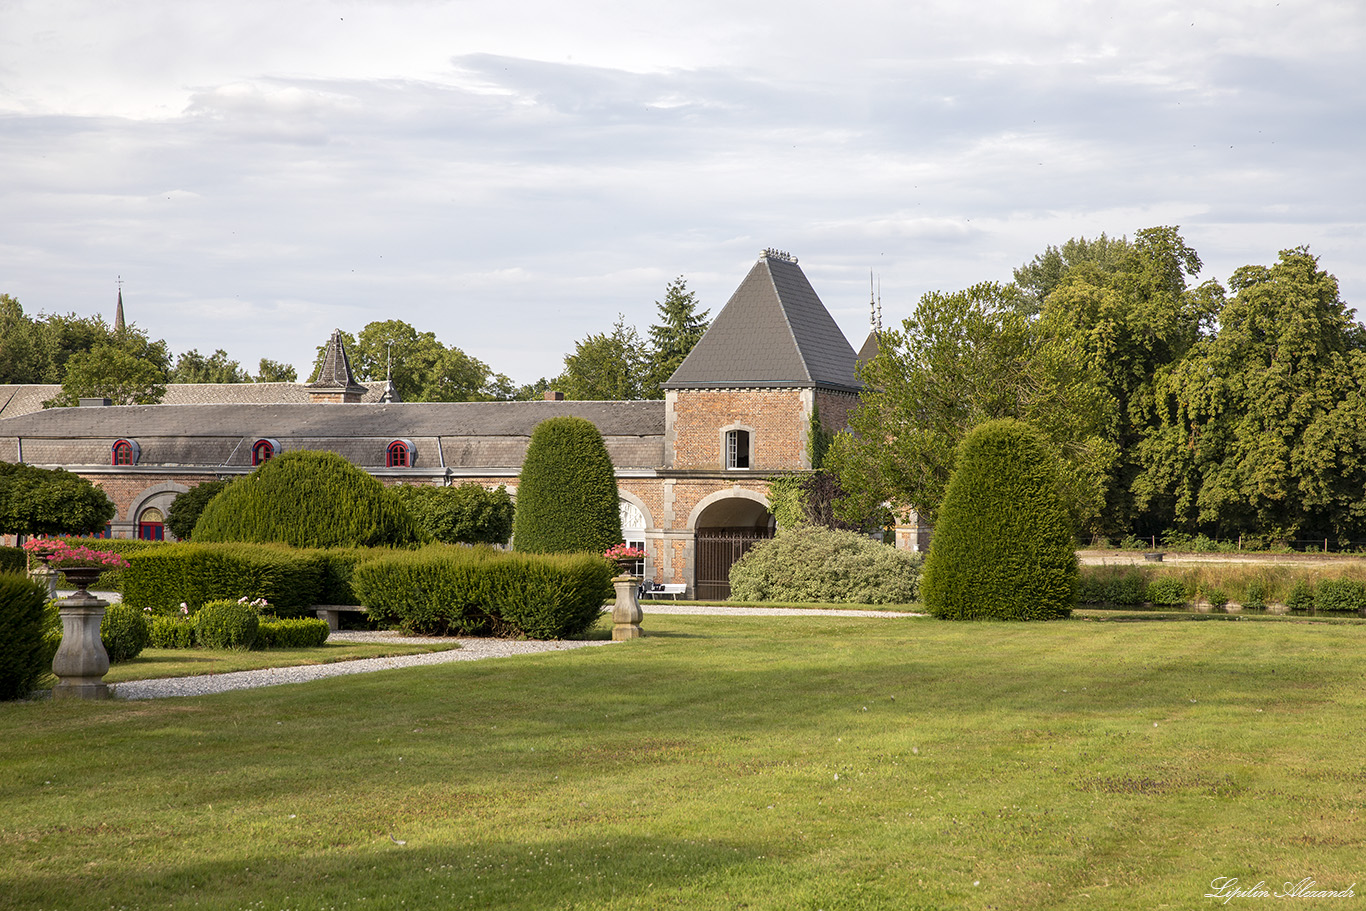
567, 494
226, 624
23, 656
125, 632
1002, 548
812, 563
308, 499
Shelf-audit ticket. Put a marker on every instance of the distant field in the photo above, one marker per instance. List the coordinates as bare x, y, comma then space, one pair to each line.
721, 762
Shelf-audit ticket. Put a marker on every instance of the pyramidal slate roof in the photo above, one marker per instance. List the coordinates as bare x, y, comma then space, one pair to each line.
774, 331
336, 370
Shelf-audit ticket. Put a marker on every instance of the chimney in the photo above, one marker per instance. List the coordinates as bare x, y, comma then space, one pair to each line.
552, 395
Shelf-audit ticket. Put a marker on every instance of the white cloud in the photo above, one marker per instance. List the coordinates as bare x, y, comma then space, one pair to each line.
513, 176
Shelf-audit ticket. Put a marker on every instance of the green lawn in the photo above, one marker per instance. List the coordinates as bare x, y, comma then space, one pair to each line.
722, 762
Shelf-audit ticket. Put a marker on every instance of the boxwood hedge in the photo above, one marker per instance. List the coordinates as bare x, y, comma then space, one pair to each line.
480, 591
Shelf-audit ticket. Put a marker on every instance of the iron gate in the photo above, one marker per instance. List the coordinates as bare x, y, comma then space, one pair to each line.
717, 551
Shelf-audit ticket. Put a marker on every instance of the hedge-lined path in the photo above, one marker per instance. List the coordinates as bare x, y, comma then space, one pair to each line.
471, 649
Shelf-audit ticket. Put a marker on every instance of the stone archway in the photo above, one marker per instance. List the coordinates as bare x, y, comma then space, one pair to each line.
725, 526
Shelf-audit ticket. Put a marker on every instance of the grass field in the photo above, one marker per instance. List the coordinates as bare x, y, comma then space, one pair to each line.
722, 762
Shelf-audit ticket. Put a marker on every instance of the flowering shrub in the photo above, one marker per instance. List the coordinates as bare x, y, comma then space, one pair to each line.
623, 552
58, 554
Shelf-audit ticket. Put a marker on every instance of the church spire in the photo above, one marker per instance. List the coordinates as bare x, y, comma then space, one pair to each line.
118, 309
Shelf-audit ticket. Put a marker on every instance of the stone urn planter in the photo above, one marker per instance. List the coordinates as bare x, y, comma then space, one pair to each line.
81, 661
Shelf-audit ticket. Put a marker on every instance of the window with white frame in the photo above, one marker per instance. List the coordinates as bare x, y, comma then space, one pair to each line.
737, 448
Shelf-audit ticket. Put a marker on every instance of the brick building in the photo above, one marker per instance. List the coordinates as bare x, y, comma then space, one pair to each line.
692, 470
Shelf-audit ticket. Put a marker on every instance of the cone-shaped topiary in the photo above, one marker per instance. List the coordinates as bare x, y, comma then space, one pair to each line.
308, 499
1002, 549
567, 494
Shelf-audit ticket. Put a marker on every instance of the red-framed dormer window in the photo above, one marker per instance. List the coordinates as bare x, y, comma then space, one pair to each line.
399, 454
125, 452
264, 451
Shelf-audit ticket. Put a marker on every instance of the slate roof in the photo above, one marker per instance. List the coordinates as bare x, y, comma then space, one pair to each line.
869, 349
26, 399
335, 372
774, 331
460, 434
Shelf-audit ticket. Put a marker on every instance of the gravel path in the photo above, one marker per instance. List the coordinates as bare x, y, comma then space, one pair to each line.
472, 649
469, 650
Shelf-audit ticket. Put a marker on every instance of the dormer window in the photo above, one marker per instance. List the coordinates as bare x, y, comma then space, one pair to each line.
737, 448
126, 452
400, 454
264, 451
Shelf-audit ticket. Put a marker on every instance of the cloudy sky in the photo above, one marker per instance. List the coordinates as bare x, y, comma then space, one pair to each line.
511, 176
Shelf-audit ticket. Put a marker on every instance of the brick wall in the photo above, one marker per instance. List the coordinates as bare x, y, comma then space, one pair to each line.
777, 419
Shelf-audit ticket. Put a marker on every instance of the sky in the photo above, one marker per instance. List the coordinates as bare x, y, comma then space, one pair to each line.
513, 176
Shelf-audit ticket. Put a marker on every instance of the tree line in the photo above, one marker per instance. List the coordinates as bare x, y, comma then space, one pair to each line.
1227, 410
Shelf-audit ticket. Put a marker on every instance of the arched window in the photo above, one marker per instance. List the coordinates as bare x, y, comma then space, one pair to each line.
264, 451
400, 454
151, 525
737, 448
126, 452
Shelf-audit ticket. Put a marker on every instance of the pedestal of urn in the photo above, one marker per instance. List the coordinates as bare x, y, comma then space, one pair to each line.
626, 615
81, 661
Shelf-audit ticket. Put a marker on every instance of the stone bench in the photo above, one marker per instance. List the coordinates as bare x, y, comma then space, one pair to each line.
332, 613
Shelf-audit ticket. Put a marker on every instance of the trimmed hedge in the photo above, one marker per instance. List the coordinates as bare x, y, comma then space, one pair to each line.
480, 591
308, 499
226, 624
300, 632
125, 632
291, 580
22, 649
111, 580
567, 499
13, 560
172, 631
1003, 546
811, 563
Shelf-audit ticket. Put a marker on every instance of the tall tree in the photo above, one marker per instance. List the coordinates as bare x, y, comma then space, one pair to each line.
131, 373
1039, 277
268, 371
422, 368
606, 367
961, 359
21, 357
1129, 310
1261, 429
678, 330
50, 501
193, 367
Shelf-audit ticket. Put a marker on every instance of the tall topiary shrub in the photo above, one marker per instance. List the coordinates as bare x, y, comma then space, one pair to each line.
23, 657
1003, 547
308, 499
567, 494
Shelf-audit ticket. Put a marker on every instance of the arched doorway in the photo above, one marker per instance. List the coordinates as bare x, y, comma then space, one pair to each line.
725, 529
151, 525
